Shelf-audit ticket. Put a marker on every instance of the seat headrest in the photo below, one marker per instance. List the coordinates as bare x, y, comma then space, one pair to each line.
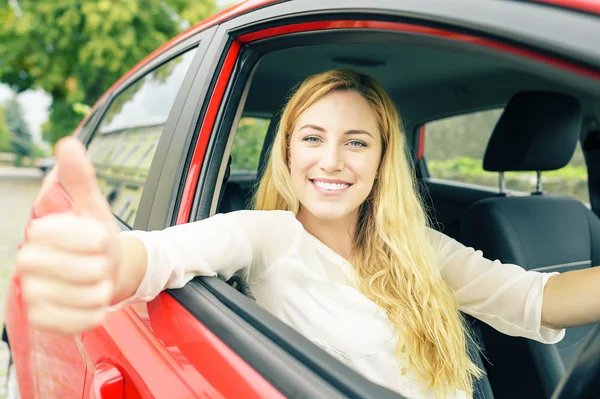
537, 131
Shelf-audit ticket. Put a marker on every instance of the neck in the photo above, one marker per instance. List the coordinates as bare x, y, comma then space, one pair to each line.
336, 234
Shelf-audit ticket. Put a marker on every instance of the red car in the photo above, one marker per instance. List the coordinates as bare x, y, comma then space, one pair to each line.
184, 134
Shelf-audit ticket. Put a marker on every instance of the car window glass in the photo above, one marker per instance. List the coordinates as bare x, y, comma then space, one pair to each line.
125, 141
248, 143
454, 150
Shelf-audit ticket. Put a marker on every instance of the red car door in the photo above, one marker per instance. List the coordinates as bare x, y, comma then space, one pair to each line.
123, 146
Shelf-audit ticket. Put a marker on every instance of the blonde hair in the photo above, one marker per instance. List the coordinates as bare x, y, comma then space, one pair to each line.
394, 263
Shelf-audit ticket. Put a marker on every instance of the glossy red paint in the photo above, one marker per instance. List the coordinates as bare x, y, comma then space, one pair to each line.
108, 382
205, 352
18, 326
149, 370
205, 131
591, 6
58, 355
421, 149
422, 30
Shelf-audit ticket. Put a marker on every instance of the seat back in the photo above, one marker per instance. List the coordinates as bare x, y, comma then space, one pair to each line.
538, 131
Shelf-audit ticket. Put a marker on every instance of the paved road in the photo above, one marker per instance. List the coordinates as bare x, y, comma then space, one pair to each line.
18, 188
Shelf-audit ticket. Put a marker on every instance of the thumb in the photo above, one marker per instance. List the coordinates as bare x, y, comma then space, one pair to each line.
76, 174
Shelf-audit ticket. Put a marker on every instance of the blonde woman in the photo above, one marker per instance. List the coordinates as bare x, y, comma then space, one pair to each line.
338, 248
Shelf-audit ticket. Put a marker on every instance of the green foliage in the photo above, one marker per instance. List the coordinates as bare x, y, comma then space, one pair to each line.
38, 151
5, 136
248, 143
76, 49
570, 180
473, 167
21, 137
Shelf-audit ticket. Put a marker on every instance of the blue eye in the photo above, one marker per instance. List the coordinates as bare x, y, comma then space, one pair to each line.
311, 139
357, 143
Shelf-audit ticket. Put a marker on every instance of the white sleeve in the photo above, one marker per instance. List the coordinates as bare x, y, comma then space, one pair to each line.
505, 296
247, 241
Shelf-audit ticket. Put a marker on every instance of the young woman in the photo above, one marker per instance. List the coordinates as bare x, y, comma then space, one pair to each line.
338, 248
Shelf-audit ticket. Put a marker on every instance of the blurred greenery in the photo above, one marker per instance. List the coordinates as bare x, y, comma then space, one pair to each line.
5, 135
473, 167
76, 49
20, 135
248, 143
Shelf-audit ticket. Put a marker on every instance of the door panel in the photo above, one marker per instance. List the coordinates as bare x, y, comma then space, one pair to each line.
149, 369
48, 365
58, 366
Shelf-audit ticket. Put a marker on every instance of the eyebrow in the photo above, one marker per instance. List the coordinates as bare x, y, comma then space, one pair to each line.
349, 132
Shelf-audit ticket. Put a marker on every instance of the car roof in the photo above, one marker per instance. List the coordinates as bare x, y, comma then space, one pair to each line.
427, 82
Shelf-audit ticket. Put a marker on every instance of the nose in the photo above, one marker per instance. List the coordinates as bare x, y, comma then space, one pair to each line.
331, 158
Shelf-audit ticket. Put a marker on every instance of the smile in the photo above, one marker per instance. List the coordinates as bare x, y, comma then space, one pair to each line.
330, 187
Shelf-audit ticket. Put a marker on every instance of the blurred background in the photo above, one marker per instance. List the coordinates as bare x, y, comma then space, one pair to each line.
56, 59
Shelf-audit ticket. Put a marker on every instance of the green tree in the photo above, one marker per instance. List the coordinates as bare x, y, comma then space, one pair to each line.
5, 136
248, 143
21, 136
76, 49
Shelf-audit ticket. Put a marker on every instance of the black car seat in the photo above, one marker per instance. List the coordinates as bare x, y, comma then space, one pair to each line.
538, 131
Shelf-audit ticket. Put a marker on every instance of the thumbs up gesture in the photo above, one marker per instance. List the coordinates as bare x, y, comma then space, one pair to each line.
69, 264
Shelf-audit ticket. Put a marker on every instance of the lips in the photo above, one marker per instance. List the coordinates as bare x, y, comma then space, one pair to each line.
330, 186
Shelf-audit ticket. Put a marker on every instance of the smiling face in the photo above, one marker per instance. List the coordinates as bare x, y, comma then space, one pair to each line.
334, 155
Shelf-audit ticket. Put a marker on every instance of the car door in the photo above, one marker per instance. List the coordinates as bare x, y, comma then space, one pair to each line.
124, 145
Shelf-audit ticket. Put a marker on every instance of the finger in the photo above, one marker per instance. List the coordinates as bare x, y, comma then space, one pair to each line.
76, 174
60, 265
69, 232
40, 291
64, 320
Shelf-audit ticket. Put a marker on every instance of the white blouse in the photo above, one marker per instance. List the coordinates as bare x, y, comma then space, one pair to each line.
307, 285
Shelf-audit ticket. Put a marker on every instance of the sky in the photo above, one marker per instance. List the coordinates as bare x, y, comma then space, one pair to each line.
35, 103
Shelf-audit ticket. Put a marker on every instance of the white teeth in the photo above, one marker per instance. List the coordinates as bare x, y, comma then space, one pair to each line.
330, 186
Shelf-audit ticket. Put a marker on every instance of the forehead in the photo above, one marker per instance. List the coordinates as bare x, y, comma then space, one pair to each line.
340, 110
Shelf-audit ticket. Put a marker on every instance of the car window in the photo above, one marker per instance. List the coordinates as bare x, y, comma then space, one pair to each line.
454, 149
88, 124
125, 141
248, 143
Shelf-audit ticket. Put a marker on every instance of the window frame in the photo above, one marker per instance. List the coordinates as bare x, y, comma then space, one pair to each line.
160, 154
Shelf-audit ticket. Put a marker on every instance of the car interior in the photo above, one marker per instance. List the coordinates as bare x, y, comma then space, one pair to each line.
543, 120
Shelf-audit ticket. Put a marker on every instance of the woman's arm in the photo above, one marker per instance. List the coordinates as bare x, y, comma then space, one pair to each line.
505, 296
222, 245
134, 265
572, 299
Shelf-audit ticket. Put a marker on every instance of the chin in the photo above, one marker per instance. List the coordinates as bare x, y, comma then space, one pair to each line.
329, 212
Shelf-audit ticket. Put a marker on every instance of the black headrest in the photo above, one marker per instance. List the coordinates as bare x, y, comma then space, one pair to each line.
537, 131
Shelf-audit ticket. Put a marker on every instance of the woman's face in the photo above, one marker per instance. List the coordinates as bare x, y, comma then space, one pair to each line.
334, 155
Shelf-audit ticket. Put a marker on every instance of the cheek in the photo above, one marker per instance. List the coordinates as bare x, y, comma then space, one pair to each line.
367, 167
301, 160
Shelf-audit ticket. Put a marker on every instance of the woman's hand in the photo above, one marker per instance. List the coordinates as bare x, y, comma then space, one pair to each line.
69, 264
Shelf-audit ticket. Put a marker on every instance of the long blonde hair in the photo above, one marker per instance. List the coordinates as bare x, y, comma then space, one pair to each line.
394, 263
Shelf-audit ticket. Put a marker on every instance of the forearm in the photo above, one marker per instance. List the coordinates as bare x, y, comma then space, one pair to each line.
132, 269
572, 299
